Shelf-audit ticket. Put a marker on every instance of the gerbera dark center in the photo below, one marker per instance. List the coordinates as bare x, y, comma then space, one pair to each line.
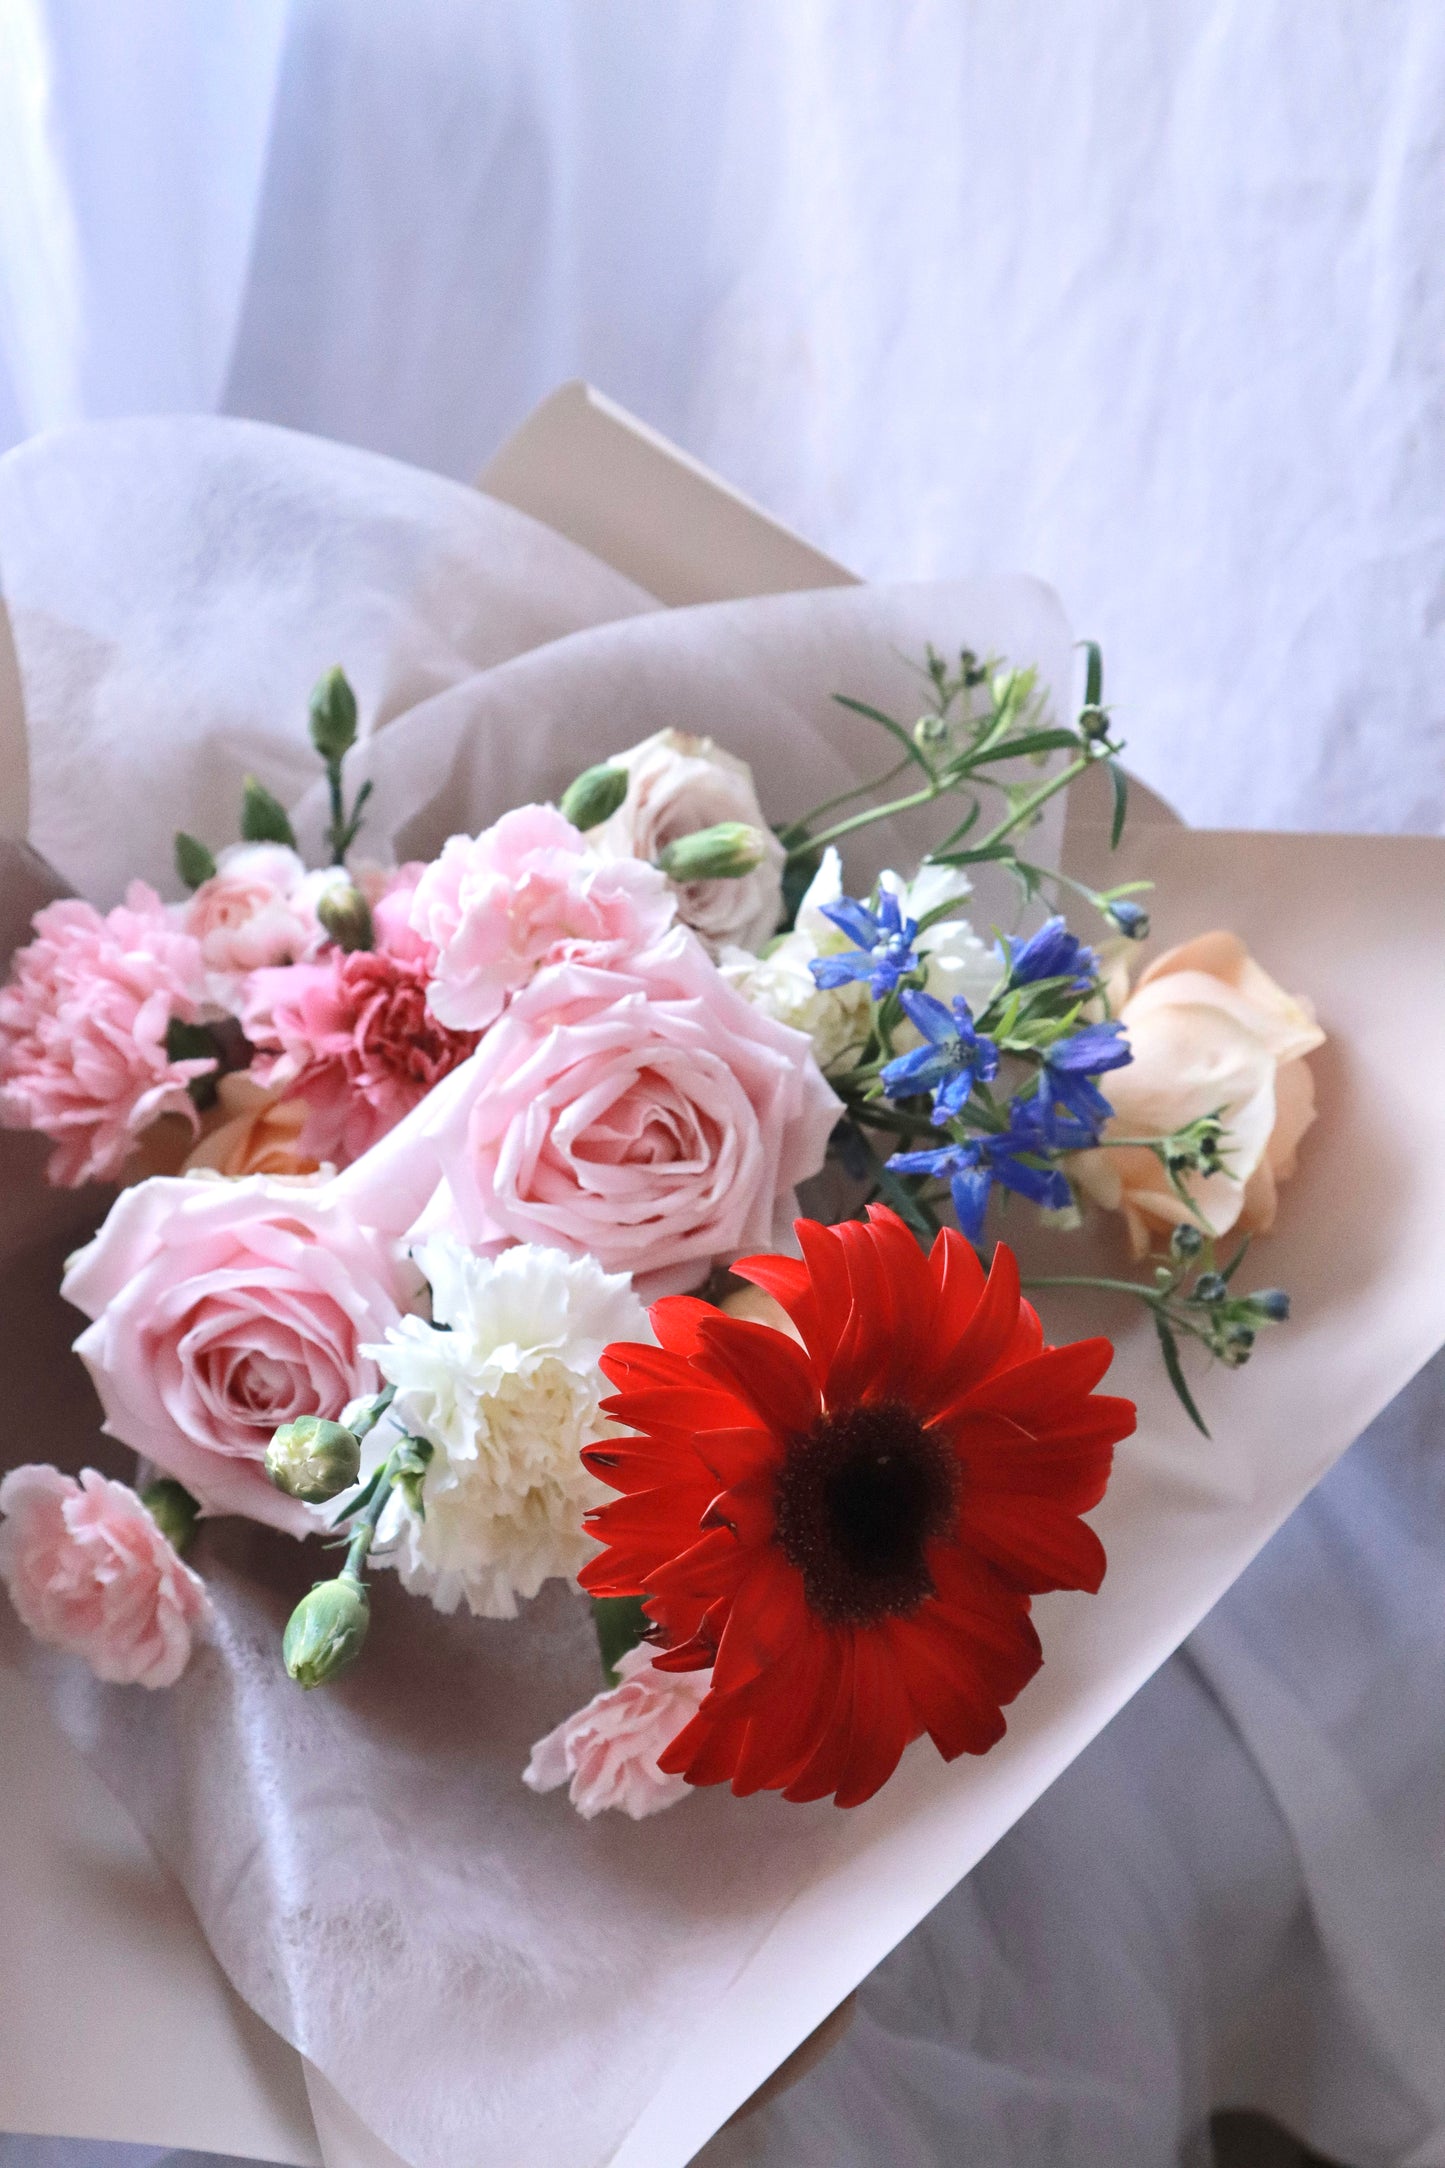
858, 1501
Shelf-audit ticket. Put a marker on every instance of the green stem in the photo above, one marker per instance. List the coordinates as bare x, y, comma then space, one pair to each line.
336, 835
845, 797
865, 819
368, 1420
1030, 805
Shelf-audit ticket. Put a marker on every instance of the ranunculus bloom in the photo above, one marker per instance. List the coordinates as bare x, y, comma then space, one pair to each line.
243, 916
679, 784
498, 906
1209, 1030
83, 1026
253, 1131
645, 1116
356, 1041
221, 1310
89, 1571
606, 1754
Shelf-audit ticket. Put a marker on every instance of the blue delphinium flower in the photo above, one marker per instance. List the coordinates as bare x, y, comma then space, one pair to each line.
953, 1058
1066, 1081
1052, 953
973, 1165
882, 944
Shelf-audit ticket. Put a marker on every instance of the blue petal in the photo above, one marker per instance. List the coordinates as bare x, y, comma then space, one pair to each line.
1042, 1185
970, 1199
933, 1019
861, 927
1090, 1051
940, 1161
915, 1072
831, 971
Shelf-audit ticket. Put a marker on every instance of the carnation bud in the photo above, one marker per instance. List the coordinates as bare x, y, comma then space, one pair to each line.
313, 1460
326, 1631
173, 1509
333, 716
1131, 921
1186, 1242
346, 915
1271, 1303
595, 796
724, 852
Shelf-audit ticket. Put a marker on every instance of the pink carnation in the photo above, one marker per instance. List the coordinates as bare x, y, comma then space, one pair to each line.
83, 1030
607, 1753
243, 916
353, 1034
89, 1571
527, 892
645, 1115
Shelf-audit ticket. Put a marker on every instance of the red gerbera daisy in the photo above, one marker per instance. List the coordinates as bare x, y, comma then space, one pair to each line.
849, 1530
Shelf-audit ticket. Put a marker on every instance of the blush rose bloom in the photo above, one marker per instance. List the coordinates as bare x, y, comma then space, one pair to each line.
243, 917
646, 1116
1208, 1030
88, 1571
222, 1309
83, 1027
606, 1754
499, 906
676, 785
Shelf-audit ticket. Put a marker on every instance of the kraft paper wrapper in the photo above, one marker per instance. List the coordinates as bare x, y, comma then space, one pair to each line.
477, 1975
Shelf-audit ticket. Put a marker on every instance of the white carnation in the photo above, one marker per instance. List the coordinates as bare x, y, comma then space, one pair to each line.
781, 984
677, 785
504, 1385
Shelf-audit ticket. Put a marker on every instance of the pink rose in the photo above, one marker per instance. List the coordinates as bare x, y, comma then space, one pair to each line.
356, 1042
223, 1309
83, 1026
498, 906
89, 1571
607, 1753
243, 916
644, 1115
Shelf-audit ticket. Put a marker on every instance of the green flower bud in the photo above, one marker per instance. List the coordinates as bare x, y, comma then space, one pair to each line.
1186, 1242
930, 730
173, 1509
1270, 1303
326, 1631
346, 916
1211, 1287
333, 716
595, 796
313, 1460
724, 852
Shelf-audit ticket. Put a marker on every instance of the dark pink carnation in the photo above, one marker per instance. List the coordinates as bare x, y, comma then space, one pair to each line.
83, 1030
355, 1039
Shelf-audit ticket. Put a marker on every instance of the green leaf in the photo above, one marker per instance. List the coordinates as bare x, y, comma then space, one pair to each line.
263, 818
1169, 1348
194, 862
1030, 742
1121, 803
194, 1042
621, 1624
886, 722
909, 1209
1228, 1271
1093, 673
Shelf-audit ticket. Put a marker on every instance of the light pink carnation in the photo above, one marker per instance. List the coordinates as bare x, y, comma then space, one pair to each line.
645, 1115
353, 1035
223, 1309
527, 892
607, 1753
243, 916
89, 1571
83, 1030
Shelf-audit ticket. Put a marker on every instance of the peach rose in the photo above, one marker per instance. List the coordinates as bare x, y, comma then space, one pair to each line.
89, 1571
253, 1131
1209, 1031
222, 1309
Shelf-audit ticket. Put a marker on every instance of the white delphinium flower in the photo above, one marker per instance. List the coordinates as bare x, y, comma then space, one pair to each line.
781, 984
504, 1385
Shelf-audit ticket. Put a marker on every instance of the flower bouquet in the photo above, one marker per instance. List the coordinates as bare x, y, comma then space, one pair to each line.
460, 1112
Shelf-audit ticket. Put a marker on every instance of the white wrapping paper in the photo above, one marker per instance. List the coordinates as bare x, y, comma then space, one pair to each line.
481, 1976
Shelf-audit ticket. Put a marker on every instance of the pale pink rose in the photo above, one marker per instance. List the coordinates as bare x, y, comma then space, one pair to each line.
251, 1131
676, 785
223, 1309
83, 1026
1209, 1031
354, 1038
243, 916
644, 1115
89, 1571
525, 893
607, 1753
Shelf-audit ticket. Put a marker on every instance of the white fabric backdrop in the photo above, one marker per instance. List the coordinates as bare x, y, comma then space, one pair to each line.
1143, 299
